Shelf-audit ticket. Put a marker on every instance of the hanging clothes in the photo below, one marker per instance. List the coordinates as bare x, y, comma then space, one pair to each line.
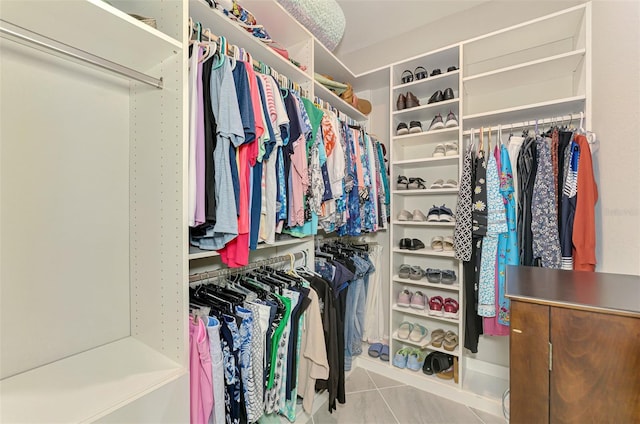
584, 227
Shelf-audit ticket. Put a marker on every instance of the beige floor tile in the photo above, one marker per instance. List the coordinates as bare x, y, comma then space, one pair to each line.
382, 382
488, 418
415, 406
361, 408
358, 381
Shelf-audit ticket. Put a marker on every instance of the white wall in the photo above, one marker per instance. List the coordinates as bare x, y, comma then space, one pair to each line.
616, 120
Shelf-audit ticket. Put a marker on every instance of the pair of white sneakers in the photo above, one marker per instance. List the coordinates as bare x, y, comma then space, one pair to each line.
417, 215
446, 149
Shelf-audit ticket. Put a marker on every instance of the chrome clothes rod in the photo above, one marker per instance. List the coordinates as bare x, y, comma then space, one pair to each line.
530, 123
30, 37
202, 276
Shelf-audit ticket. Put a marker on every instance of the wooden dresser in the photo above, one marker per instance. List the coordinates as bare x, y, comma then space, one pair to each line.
574, 346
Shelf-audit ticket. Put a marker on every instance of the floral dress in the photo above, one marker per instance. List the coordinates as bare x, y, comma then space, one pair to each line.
496, 224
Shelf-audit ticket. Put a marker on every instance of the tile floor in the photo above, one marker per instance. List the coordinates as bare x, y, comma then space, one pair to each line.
374, 399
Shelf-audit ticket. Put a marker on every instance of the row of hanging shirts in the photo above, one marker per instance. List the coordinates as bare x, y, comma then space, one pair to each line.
528, 201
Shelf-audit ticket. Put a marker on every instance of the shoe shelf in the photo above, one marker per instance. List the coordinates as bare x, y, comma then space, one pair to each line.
557, 107
415, 113
425, 252
532, 72
425, 224
424, 314
420, 374
425, 283
444, 134
425, 344
427, 86
418, 192
437, 160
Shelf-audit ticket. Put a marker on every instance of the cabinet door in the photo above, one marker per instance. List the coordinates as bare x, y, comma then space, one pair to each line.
596, 367
529, 368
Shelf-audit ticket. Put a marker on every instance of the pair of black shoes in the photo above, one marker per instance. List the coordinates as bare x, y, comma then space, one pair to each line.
437, 362
440, 96
414, 127
411, 244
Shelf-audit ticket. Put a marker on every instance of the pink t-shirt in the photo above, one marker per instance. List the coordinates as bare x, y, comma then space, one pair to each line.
200, 378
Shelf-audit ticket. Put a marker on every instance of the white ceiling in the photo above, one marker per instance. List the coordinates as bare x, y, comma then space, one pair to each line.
372, 21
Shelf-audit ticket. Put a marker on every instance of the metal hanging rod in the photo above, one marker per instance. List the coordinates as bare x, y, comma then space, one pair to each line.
22, 34
529, 123
202, 276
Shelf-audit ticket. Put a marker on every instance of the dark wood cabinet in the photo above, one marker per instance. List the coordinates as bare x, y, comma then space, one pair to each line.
571, 362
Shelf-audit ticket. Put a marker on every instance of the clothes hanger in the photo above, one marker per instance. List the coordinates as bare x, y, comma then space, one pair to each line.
481, 146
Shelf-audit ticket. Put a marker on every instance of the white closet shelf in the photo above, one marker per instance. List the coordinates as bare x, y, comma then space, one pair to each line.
221, 25
419, 161
415, 113
196, 253
419, 192
425, 252
325, 62
129, 43
435, 136
424, 344
528, 112
427, 86
433, 378
531, 72
424, 314
329, 96
87, 386
483, 53
425, 224
425, 283
288, 27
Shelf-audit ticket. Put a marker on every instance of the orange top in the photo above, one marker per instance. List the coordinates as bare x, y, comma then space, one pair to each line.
584, 224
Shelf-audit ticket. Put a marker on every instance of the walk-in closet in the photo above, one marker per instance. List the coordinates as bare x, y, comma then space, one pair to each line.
272, 211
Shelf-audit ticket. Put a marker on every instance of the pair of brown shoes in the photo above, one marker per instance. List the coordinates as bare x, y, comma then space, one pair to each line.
408, 101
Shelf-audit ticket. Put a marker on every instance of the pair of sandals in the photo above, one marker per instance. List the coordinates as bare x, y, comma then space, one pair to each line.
414, 332
440, 276
445, 340
405, 183
446, 149
441, 364
440, 183
440, 214
379, 350
418, 74
447, 308
410, 272
442, 244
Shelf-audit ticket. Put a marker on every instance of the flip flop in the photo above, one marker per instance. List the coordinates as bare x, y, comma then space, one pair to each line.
404, 330
433, 275
374, 350
437, 183
450, 341
418, 333
437, 337
436, 244
416, 273
405, 271
450, 184
384, 353
447, 244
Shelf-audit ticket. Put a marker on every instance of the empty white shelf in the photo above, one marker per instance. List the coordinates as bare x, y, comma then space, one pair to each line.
528, 112
129, 42
86, 386
526, 73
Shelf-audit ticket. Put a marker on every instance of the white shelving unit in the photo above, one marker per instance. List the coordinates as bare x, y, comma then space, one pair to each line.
103, 198
412, 156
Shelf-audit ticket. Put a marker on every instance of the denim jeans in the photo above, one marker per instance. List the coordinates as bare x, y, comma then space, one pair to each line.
354, 313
